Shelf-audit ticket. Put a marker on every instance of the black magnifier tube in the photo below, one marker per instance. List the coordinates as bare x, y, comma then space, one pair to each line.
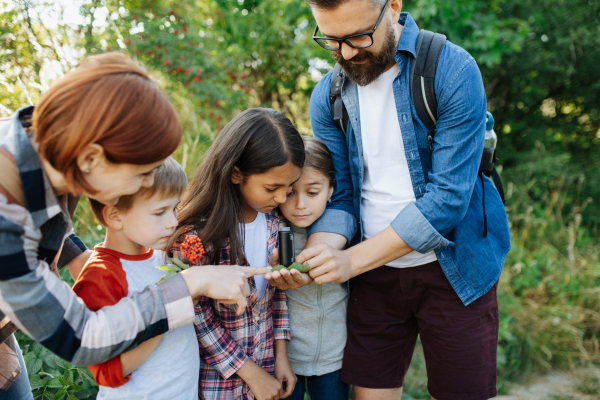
286, 246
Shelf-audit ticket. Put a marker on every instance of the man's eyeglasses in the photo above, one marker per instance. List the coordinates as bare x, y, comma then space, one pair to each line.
357, 41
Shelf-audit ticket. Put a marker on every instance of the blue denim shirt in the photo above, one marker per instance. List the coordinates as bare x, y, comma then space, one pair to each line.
447, 216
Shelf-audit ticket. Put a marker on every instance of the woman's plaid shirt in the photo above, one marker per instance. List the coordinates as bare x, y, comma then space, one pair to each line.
227, 341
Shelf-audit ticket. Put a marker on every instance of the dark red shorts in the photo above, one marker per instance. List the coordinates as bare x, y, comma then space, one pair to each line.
389, 307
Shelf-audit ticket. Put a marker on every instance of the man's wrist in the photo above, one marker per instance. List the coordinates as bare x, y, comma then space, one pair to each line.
357, 266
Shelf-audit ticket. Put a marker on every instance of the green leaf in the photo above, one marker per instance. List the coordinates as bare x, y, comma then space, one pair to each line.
169, 268
167, 276
54, 383
277, 268
295, 265
62, 363
86, 375
35, 366
299, 267
36, 382
68, 376
43, 352
304, 268
75, 388
36, 348
50, 360
60, 394
179, 263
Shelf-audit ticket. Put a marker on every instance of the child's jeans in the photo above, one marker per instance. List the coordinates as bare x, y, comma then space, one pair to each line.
324, 387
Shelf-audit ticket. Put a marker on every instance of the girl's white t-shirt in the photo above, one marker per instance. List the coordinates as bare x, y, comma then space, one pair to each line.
255, 249
386, 187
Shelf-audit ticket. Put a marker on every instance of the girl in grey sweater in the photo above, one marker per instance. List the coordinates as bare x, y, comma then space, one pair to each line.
317, 312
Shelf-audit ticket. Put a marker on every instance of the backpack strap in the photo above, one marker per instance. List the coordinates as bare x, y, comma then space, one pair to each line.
338, 109
422, 78
498, 184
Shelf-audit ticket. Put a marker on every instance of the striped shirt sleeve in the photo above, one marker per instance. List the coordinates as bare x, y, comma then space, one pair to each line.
47, 310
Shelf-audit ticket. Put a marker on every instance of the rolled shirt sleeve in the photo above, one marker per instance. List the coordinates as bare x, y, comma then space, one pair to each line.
72, 247
457, 149
281, 319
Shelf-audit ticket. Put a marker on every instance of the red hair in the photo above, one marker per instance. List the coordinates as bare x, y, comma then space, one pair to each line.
110, 101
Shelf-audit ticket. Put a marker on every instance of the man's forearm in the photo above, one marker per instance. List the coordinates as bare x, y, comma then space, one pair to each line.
376, 251
332, 239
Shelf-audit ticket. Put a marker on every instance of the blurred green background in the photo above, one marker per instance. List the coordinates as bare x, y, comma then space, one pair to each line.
540, 62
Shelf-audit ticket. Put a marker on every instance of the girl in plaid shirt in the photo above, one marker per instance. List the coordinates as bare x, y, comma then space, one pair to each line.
228, 216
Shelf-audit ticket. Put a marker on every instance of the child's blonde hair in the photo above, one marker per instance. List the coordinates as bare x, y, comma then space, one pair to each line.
170, 180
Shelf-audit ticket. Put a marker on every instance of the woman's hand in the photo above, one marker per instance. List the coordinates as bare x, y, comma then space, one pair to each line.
284, 279
283, 369
226, 283
262, 384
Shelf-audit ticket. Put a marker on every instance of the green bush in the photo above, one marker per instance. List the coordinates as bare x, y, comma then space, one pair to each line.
53, 378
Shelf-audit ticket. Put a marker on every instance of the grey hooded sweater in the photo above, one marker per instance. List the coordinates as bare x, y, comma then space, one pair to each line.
317, 322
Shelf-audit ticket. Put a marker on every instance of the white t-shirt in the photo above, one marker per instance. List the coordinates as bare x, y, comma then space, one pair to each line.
255, 249
387, 187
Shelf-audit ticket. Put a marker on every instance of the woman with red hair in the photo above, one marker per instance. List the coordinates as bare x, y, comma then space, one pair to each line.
100, 131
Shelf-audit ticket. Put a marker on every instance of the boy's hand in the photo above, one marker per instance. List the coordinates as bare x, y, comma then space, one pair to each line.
262, 384
284, 279
283, 370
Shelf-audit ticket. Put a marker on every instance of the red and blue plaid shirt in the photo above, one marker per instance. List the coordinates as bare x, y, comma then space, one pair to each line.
226, 340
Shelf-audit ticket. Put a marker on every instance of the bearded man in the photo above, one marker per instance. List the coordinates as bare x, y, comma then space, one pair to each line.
420, 264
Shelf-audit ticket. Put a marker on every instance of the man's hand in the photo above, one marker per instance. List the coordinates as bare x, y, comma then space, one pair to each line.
262, 384
226, 283
327, 264
284, 279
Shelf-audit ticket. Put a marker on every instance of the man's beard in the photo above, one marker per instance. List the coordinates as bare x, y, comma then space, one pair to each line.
363, 74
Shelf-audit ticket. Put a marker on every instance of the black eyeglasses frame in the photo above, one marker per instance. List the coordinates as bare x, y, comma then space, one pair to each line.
345, 39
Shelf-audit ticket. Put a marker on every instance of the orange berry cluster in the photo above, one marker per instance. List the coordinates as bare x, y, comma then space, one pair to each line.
192, 248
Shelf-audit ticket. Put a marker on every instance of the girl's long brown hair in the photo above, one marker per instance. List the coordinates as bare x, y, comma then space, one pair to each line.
255, 141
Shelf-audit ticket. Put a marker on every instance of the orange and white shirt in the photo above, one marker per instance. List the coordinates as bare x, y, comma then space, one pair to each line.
172, 369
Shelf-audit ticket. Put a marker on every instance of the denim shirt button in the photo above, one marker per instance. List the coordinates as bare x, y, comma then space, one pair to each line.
404, 117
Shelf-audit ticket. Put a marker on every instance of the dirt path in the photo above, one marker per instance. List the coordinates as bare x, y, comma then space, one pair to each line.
581, 384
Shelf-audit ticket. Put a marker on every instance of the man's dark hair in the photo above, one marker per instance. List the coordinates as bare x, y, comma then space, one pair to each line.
333, 4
